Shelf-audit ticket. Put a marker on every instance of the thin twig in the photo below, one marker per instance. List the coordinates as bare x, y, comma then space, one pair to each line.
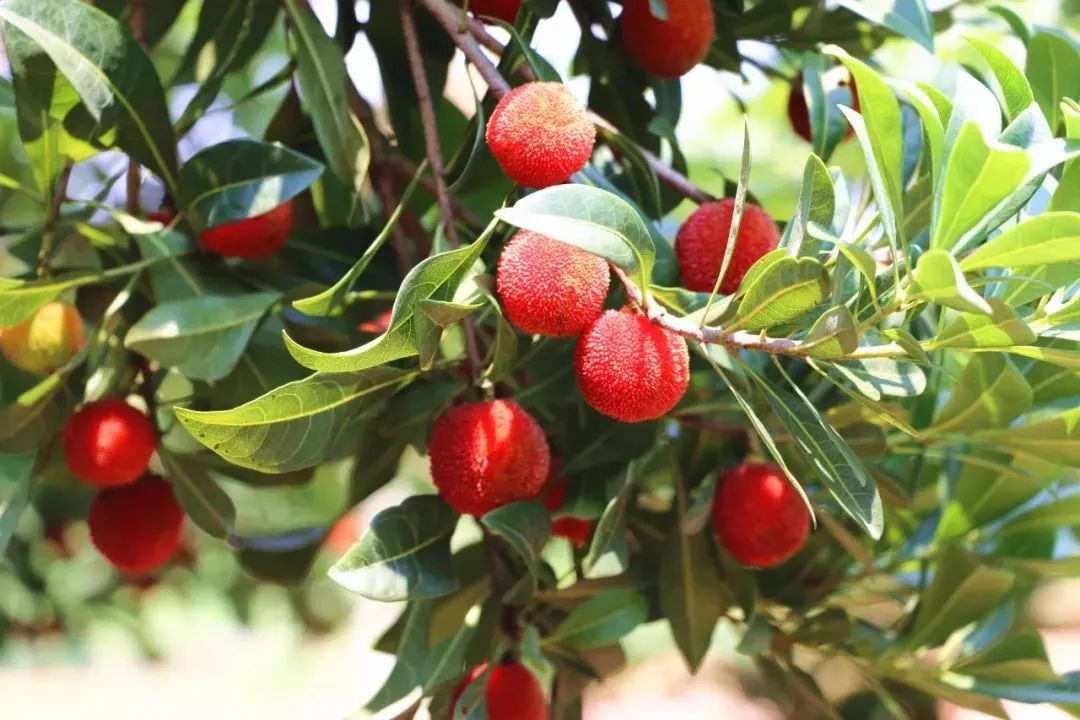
48, 230
137, 21
450, 18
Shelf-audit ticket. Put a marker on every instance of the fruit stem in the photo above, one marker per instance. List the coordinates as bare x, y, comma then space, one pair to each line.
48, 230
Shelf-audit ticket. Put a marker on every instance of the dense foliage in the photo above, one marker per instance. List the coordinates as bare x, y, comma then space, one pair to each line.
908, 358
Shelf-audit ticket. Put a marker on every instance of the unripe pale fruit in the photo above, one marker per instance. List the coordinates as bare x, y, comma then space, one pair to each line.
667, 48
631, 369
251, 238
540, 135
512, 693
46, 341
759, 516
506, 10
702, 241
547, 287
573, 529
137, 527
108, 443
799, 111
485, 455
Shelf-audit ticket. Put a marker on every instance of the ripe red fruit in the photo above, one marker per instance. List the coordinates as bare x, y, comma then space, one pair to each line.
251, 238
799, 111
137, 527
759, 516
108, 443
540, 135
702, 241
485, 455
667, 48
630, 369
162, 216
506, 10
512, 693
547, 287
573, 529
378, 324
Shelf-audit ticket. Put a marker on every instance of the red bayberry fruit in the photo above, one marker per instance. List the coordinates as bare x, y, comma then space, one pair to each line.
702, 241
251, 238
540, 135
512, 693
630, 369
573, 529
137, 527
759, 516
547, 287
667, 48
378, 324
485, 455
108, 443
799, 111
506, 10
344, 533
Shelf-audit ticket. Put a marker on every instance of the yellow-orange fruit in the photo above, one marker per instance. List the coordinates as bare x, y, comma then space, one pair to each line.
667, 48
46, 341
540, 135
486, 455
547, 287
631, 369
702, 241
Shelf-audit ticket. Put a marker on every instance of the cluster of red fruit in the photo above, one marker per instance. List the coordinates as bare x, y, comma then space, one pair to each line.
135, 521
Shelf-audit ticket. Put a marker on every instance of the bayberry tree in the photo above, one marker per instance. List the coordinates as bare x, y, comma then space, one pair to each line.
847, 432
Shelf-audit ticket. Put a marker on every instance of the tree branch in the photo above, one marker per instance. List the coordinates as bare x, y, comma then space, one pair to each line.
48, 230
450, 18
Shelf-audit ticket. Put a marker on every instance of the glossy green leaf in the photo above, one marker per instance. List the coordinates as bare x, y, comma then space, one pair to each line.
693, 594
962, 592
608, 553
817, 203
1020, 657
200, 495
909, 18
986, 491
112, 75
238, 179
1057, 356
602, 620
323, 80
404, 555
201, 337
1002, 329
526, 527
297, 425
785, 291
1055, 513
595, 220
1057, 438
1045, 239
938, 278
1007, 80
36, 413
832, 335
990, 393
878, 377
1053, 69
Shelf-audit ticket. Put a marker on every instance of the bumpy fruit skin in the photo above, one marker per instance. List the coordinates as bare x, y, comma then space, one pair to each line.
630, 369
702, 241
485, 455
540, 135
252, 238
108, 443
799, 112
668, 48
759, 516
506, 10
137, 527
512, 693
573, 529
46, 341
547, 287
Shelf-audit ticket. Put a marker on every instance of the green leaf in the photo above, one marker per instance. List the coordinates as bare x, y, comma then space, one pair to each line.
938, 278
238, 179
1007, 80
1002, 329
19, 300
840, 468
1052, 237
817, 204
18, 472
832, 335
602, 620
978, 176
112, 75
878, 377
986, 490
962, 592
1054, 514
297, 425
909, 18
786, 290
323, 80
526, 527
1057, 438
693, 594
1019, 657
1057, 356
39, 411
1053, 68
990, 393
592, 219
200, 495
445, 314
201, 337
608, 553
404, 555
435, 278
